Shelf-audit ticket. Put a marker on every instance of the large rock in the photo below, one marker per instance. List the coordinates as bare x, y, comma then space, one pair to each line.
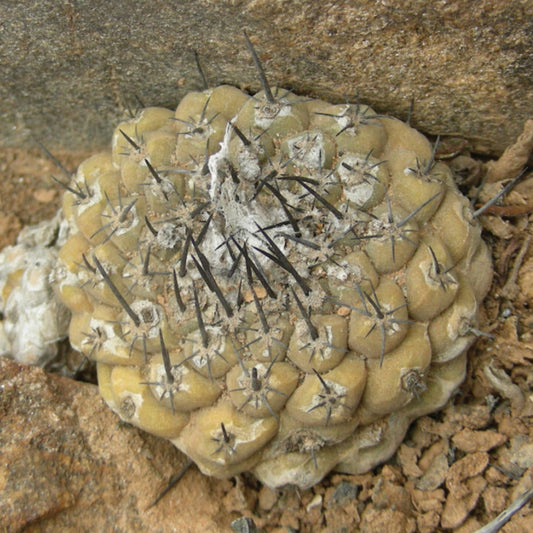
70, 70
68, 464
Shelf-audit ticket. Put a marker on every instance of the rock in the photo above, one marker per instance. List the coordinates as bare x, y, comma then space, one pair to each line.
76, 68
458, 507
478, 441
267, 498
344, 492
435, 474
386, 521
495, 499
68, 464
469, 466
465, 484
244, 525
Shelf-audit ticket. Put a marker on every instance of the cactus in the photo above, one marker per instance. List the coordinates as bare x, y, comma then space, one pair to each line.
274, 283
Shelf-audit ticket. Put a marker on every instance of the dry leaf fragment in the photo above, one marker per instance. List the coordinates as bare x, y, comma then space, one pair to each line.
514, 158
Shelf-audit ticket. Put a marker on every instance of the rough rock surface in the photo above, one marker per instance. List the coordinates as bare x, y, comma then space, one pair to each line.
71, 69
67, 464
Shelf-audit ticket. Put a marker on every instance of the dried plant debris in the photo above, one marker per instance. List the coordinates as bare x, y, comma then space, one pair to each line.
515, 158
276, 284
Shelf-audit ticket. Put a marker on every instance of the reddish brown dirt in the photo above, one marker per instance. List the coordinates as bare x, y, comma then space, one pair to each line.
28, 194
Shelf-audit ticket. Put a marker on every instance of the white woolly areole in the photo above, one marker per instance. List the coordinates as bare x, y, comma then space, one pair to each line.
358, 188
94, 197
263, 120
242, 216
308, 149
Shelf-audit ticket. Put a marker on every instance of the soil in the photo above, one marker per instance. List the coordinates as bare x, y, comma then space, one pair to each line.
457, 469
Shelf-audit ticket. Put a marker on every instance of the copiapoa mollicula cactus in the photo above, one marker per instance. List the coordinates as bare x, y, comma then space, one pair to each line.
275, 284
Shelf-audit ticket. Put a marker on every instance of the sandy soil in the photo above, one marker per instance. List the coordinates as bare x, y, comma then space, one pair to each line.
457, 469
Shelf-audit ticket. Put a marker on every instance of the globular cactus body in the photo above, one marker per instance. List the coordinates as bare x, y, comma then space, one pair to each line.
275, 284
